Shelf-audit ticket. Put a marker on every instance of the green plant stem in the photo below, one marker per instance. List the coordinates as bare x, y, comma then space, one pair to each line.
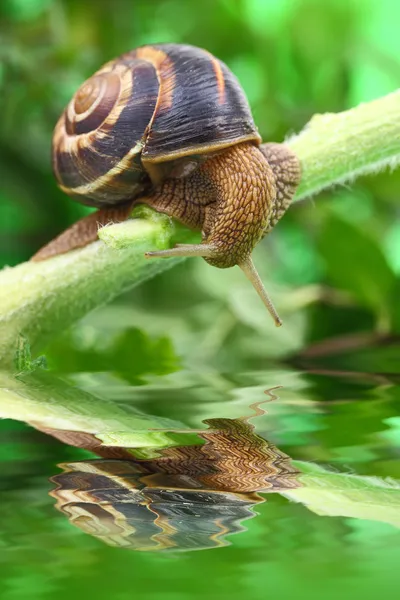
335, 148
39, 299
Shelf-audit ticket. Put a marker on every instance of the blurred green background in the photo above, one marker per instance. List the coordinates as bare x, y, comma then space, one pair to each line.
333, 264
196, 342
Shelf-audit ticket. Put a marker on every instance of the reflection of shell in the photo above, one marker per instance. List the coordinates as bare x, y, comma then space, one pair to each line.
229, 456
109, 500
190, 497
234, 458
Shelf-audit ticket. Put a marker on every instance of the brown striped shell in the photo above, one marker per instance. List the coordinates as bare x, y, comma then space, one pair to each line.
127, 126
187, 498
111, 500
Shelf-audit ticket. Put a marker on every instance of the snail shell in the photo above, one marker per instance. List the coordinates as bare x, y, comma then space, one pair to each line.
131, 122
190, 497
109, 500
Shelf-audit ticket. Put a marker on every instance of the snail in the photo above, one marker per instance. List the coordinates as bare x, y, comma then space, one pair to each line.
109, 500
170, 126
188, 498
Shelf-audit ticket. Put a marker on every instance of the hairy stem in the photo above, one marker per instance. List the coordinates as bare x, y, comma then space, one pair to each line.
334, 148
39, 299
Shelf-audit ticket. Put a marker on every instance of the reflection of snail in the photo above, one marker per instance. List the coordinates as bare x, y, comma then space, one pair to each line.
170, 126
109, 500
190, 497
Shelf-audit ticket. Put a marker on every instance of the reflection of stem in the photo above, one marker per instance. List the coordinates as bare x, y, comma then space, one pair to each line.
54, 406
228, 455
256, 406
38, 299
341, 494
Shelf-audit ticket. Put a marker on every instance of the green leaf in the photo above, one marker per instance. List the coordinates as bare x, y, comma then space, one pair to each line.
355, 262
131, 354
341, 494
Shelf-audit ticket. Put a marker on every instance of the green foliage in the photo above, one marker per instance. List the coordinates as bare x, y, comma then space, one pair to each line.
23, 357
194, 342
151, 356
355, 262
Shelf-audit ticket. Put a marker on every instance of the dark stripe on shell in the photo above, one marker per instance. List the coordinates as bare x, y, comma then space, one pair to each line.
100, 113
92, 160
198, 118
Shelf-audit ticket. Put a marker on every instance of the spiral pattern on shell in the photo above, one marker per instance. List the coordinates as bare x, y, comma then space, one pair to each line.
153, 105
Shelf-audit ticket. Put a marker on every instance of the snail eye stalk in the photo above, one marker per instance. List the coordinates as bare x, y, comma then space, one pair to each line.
252, 275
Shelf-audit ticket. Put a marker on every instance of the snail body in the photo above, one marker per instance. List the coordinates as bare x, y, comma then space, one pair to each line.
170, 126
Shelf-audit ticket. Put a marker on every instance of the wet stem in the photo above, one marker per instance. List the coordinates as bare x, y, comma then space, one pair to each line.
39, 299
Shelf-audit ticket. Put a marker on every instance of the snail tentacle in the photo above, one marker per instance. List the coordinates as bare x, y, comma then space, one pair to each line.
203, 250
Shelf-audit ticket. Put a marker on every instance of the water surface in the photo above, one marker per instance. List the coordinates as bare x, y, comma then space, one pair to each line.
201, 483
